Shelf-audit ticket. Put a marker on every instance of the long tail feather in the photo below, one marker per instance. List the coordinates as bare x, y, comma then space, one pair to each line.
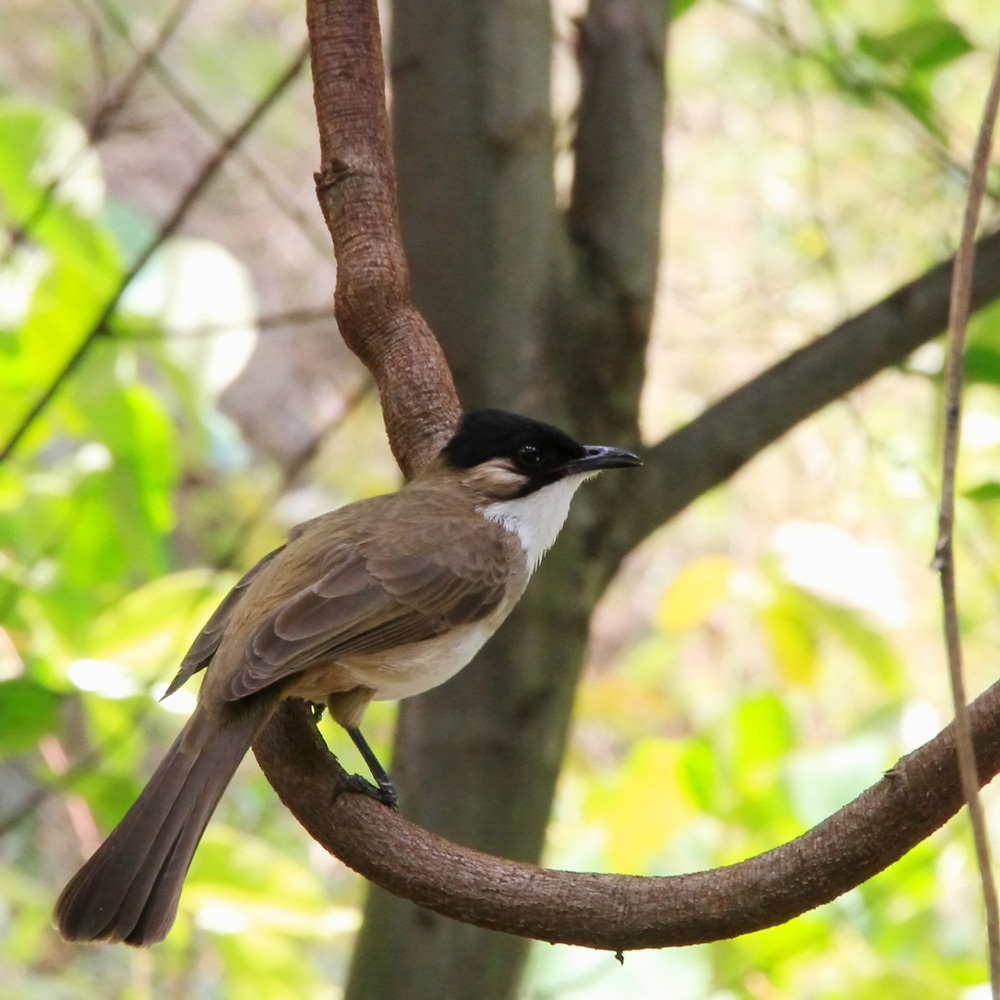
129, 889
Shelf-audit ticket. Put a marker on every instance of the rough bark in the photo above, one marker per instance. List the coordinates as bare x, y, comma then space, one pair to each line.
356, 187
536, 312
584, 285
627, 912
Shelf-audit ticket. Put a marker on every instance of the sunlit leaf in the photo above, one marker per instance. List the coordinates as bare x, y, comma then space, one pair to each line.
40, 145
155, 624
259, 883
203, 301
698, 768
764, 730
926, 45
791, 641
694, 593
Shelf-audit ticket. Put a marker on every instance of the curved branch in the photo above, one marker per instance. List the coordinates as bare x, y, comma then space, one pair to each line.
356, 186
625, 912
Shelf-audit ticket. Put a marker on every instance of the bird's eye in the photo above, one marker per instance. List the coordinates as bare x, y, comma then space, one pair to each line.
530, 455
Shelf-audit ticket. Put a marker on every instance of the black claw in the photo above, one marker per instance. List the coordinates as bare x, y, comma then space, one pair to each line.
387, 794
384, 792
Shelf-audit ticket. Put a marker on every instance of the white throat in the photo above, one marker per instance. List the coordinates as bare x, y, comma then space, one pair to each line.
537, 518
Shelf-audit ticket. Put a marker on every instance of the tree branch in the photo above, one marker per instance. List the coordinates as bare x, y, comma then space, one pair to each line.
623, 912
613, 220
713, 446
357, 191
356, 186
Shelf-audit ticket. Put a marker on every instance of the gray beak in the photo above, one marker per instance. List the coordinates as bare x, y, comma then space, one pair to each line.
598, 456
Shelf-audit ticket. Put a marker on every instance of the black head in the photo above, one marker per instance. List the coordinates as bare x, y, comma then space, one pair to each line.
537, 453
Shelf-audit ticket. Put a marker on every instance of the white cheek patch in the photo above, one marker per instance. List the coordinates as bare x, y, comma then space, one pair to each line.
537, 518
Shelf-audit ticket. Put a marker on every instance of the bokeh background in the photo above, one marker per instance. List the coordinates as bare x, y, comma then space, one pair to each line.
757, 662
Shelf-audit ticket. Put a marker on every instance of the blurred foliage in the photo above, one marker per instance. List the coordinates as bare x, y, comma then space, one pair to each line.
756, 665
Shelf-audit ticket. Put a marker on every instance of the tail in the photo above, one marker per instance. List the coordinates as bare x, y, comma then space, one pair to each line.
128, 890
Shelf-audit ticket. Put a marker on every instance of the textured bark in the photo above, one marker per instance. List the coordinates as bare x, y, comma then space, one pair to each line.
473, 137
553, 318
540, 313
356, 187
622, 912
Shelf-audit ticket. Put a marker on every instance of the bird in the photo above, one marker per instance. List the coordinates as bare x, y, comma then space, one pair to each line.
380, 599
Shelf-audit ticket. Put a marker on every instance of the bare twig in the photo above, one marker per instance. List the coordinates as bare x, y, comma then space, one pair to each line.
99, 126
944, 562
197, 113
167, 229
146, 57
268, 322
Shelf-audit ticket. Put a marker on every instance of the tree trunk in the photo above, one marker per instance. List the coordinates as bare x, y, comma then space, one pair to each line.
539, 314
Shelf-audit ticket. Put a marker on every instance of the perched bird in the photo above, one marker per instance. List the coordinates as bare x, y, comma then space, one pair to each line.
381, 599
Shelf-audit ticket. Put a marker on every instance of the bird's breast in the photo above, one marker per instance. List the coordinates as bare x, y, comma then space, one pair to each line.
396, 673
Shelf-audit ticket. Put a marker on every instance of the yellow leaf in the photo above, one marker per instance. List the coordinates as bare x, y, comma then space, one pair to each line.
697, 590
792, 644
645, 807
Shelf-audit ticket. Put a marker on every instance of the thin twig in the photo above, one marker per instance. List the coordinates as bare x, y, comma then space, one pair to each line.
958, 318
167, 229
100, 125
190, 104
269, 322
146, 56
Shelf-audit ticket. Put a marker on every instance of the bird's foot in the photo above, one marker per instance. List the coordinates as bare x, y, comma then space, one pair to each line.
384, 791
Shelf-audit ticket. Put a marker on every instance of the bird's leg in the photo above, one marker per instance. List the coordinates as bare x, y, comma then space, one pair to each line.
347, 708
386, 790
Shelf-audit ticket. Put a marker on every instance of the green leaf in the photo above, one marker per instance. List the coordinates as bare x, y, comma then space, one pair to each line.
677, 7
28, 711
135, 493
916, 98
988, 492
50, 181
645, 805
156, 623
698, 768
926, 45
763, 731
791, 640
44, 154
982, 363
239, 881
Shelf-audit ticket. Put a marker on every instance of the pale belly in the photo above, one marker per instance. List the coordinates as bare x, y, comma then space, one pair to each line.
398, 673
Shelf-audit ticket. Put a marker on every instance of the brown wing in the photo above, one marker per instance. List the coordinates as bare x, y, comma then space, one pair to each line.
207, 642
364, 603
